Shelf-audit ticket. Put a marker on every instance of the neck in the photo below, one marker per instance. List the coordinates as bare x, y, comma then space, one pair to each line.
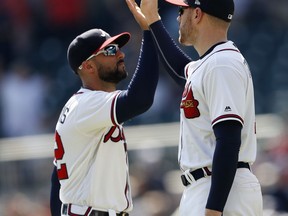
104, 86
212, 32
206, 43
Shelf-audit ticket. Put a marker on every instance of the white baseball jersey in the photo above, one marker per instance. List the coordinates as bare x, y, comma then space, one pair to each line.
91, 153
218, 88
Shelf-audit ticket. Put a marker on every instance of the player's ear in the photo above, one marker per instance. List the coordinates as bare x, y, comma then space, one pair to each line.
197, 15
86, 65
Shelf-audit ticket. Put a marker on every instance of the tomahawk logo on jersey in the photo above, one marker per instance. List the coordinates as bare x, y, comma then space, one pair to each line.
189, 104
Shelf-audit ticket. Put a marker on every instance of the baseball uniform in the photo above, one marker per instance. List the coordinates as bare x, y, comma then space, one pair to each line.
90, 142
90, 145
218, 90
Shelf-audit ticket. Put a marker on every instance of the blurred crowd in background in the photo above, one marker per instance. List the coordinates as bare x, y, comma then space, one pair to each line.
36, 81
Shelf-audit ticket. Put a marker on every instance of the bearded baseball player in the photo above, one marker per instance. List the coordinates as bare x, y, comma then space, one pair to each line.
90, 145
217, 130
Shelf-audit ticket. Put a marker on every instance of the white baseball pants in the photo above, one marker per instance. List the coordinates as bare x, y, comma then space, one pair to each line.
245, 197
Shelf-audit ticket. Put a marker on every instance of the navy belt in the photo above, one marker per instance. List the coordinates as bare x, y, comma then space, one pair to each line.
202, 172
65, 211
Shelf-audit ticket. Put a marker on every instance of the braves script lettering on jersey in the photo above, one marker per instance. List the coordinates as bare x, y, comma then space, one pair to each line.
96, 144
207, 91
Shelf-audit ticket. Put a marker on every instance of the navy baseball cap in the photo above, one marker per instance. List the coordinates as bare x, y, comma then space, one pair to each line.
223, 9
90, 42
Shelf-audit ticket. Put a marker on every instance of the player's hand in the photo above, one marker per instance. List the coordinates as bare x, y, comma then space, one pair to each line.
150, 10
147, 14
138, 15
209, 212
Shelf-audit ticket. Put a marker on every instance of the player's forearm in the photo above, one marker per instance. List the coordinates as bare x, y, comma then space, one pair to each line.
225, 159
55, 202
168, 52
139, 96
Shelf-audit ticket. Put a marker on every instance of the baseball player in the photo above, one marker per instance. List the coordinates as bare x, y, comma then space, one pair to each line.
217, 130
90, 145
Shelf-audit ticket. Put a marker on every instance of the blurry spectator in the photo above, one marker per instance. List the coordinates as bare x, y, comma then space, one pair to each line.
5, 34
279, 156
1, 75
21, 205
19, 26
65, 17
65, 12
21, 96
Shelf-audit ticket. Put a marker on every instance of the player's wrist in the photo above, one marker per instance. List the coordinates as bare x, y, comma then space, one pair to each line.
152, 18
210, 212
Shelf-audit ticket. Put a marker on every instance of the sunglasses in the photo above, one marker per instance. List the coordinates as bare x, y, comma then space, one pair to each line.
109, 50
181, 10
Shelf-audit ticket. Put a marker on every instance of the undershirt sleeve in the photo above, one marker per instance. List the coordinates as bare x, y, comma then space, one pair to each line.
55, 202
172, 57
225, 159
139, 95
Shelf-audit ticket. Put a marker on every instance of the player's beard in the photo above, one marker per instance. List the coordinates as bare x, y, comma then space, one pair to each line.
113, 75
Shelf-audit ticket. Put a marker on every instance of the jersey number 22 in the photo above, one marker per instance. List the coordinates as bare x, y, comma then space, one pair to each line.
59, 153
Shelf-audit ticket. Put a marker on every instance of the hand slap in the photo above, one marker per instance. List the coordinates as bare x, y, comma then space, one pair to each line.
150, 10
137, 13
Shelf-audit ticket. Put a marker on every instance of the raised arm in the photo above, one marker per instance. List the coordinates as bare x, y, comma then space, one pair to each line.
166, 46
139, 96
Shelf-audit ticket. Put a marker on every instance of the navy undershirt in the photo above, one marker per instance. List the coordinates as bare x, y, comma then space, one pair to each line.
139, 95
172, 57
225, 159
228, 133
55, 202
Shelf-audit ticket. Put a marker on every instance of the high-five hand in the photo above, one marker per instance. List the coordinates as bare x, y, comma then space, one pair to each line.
137, 13
146, 14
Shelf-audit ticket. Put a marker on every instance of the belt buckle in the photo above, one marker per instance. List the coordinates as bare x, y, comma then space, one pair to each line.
64, 209
206, 171
184, 180
187, 178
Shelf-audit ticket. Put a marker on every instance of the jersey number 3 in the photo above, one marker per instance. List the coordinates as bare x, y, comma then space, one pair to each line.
59, 153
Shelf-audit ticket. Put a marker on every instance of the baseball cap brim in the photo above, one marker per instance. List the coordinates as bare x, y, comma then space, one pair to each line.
120, 39
177, 2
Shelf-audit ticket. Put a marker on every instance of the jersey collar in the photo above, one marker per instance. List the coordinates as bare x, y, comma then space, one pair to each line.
211, 48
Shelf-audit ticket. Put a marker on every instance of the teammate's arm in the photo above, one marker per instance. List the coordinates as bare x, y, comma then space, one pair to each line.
55, 203
225, 159
139, 96
172, 57
166, 47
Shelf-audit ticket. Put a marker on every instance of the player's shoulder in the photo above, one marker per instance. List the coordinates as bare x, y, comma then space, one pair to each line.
87, 98
225, 49
225, 53
87, 94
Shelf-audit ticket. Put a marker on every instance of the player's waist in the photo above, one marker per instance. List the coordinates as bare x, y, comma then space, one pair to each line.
75, 210
188, 177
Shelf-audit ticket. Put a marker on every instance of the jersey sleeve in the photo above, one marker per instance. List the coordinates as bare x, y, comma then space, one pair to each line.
225, 93
96, 110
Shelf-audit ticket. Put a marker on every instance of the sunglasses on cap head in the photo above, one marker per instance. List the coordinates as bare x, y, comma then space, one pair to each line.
109, 50
181, 9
